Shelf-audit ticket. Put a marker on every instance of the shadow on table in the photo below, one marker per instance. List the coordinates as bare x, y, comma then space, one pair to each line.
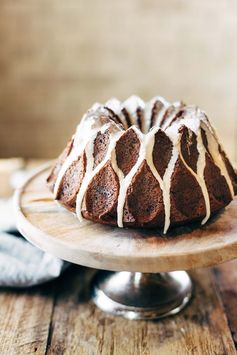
75, 281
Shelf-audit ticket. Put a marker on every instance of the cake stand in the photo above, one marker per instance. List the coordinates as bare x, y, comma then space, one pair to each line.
143, 281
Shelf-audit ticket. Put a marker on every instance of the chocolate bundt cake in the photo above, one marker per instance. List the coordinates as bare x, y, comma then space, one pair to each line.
136, 164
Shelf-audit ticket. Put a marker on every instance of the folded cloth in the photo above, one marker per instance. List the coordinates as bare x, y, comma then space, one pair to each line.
22, 264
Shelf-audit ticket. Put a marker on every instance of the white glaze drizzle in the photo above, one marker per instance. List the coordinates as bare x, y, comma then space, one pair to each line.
192, 119
199, 176
176, 106
218, 160
86, 132
213, 146
131, 105
167, 185
145, 153
90, 173
115, 105
201, 164
148, 112
89, 127
161, 114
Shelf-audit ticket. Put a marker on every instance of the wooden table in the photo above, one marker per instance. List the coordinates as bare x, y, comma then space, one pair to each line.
59, 318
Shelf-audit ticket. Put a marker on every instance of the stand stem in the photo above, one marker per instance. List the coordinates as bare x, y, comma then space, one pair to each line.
142, 295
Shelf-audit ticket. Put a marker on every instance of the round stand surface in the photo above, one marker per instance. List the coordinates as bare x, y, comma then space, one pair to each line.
55, 230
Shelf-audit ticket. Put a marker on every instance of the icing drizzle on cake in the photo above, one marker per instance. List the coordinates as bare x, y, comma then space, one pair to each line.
145, 119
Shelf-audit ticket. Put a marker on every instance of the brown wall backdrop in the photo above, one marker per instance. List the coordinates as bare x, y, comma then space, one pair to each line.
58, 57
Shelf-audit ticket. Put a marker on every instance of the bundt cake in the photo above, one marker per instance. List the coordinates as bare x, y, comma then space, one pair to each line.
137, 164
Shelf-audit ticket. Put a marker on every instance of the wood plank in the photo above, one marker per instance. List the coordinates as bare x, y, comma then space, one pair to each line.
78, 327
25, 317
226, 282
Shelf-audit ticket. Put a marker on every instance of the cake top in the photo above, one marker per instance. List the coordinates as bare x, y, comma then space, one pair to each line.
143, 117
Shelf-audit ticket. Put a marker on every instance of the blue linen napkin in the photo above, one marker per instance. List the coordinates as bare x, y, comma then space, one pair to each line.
22, 264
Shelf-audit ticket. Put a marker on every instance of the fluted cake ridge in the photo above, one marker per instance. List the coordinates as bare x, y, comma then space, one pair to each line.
138, 164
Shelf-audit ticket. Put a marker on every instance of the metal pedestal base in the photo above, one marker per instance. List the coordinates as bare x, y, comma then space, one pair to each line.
142, 295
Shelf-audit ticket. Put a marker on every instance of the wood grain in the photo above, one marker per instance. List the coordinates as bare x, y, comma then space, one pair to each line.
78, 327
55, 230
59, 318
25, 317
58, 58
226, 280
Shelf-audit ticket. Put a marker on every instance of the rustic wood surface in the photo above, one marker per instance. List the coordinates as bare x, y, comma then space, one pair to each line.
55, 230
59, 57
59, 318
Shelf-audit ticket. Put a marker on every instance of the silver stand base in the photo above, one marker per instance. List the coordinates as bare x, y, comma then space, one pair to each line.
140, 295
